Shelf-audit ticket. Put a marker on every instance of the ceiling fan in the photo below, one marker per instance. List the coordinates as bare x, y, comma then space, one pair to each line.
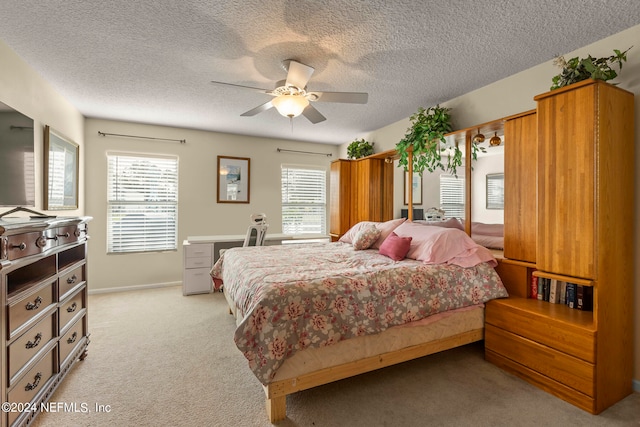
291, 97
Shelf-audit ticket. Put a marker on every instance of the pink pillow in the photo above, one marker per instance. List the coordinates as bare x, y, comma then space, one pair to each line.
487, 229
438, 245
395, 247
448, 223
366, 237
385, 229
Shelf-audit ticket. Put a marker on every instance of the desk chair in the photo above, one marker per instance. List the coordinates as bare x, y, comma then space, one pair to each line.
255, 235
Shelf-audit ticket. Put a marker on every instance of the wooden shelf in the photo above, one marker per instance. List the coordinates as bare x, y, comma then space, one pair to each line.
546, 310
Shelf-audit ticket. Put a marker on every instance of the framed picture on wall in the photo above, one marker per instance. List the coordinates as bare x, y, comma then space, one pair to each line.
60, 171
416, 186
233, 179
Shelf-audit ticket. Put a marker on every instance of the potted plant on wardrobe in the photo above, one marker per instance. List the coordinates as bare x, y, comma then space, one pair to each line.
575, 69
359, 148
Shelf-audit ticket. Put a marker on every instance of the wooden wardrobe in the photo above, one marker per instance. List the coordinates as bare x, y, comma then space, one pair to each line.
360, 190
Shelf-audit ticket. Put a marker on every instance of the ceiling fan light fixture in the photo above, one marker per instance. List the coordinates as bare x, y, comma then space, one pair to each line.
290, 105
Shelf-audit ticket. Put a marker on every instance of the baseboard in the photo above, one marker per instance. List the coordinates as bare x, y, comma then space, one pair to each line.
636, 385
133, 288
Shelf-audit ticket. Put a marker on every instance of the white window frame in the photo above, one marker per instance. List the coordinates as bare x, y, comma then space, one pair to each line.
150, 204
314, 220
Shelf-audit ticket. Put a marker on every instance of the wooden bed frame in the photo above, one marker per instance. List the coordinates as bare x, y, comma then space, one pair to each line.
276, 392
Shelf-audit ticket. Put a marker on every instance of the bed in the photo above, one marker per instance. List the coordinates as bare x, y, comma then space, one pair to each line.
310, 314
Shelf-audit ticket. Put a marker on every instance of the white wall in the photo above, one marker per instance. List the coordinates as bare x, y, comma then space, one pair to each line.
198, 211
27, 92
514, 95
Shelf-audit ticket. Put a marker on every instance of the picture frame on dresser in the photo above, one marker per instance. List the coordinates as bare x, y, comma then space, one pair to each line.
233, 179
61, 171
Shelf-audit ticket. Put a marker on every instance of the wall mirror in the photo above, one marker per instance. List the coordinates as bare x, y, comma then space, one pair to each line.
60, 171
495, 191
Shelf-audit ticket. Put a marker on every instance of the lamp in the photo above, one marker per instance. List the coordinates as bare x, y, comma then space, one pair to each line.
495, 140
290, 105
478, 138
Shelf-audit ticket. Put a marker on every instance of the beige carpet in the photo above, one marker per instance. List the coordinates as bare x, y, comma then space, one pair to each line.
158, 358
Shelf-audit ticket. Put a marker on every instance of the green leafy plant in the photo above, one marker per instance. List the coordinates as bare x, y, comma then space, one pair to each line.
359, 148
425, 137
575, 69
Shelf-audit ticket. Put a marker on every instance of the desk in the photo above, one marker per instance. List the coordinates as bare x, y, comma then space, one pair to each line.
201, 252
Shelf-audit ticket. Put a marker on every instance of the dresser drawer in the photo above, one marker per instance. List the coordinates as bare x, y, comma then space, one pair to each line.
69, 281
26, 244
71, 338
25, 347
32, 382
67, 234
198, 250
566, 369
30, 306
561, 335
70, 307
200, 262
197, 281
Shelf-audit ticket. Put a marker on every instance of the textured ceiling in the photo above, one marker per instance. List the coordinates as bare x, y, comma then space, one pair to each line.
152, 61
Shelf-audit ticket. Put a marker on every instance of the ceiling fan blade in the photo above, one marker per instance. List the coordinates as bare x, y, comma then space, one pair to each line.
313, 115
298, 75
256, 89
346, 97
258, 109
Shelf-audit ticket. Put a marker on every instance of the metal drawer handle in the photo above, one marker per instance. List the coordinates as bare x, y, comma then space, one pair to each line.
77, 232
34, 384
65, 235
22, 246
35, 304
35, 342
72, 279
72, 307
72, 338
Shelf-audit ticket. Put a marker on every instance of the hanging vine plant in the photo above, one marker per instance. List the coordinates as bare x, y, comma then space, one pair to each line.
426, 138
425, 135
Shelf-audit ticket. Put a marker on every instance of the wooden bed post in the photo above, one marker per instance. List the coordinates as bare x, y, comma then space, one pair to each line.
276, 408
409, 183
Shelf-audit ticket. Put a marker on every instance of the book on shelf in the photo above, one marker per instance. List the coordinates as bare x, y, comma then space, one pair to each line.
534, 287
584, 298
563, 292
554, 291
541, 288
571, 295
547, 289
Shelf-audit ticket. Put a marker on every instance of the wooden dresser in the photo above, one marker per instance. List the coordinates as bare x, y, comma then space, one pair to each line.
585, 215
43, 270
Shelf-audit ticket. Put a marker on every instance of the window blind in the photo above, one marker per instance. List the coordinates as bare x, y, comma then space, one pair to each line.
304, 206
452, 196
142, 203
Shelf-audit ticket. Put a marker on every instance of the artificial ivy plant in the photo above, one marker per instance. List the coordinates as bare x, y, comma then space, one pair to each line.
359, 148
576, 69
426, 137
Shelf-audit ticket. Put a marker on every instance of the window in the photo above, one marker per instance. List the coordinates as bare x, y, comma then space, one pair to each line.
304, 205
452, 196
142, 203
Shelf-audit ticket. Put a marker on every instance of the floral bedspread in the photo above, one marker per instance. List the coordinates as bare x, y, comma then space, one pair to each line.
292, 297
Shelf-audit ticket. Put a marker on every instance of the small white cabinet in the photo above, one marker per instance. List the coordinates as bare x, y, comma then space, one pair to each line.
198, 259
